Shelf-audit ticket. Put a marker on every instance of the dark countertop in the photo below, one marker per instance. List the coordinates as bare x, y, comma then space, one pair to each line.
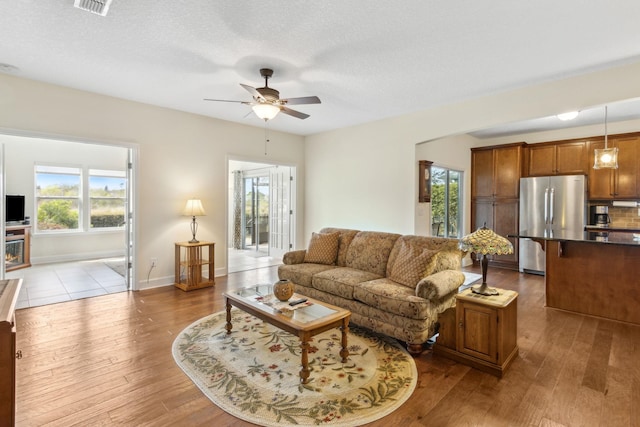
612, 228
601, 235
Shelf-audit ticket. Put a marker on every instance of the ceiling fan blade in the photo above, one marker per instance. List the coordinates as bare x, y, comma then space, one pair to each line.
226, 100
294, 113
253, 91
301, 100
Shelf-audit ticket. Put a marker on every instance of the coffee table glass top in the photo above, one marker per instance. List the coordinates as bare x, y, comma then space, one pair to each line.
261, 297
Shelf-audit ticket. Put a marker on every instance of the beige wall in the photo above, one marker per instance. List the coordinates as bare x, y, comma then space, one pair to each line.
361, 177
180, 156
369, 173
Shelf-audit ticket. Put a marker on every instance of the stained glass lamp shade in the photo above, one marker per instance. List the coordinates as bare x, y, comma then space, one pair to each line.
484, 241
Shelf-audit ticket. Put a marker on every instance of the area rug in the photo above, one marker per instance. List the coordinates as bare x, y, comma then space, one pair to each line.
116, 265
253, 373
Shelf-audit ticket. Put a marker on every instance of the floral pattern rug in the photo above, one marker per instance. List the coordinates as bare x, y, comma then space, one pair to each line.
253, 373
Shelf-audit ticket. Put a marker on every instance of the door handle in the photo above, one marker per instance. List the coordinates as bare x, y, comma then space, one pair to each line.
546, 206
552, 197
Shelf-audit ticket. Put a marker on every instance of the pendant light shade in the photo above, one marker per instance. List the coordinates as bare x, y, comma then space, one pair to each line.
606, 158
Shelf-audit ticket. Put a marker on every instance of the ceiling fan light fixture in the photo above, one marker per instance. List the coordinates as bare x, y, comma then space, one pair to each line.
265, 111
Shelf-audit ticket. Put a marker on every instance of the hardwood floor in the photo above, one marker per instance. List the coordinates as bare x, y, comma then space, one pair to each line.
107, 361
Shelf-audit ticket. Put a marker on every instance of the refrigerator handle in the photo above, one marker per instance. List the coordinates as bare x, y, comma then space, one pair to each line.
546, 205
552, 198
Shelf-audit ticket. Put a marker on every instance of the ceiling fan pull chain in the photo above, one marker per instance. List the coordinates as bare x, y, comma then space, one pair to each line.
266, 137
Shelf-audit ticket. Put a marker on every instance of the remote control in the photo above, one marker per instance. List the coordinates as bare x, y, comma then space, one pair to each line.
296, 302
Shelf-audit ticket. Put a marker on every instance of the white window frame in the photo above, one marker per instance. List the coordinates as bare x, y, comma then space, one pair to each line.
61, 170
446, 218
83, 199
106, 173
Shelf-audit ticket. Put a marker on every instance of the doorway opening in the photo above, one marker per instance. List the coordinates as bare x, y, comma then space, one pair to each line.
78, 207
255, 214
261, 217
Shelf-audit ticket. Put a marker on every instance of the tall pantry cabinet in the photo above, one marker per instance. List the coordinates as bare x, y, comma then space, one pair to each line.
495, 193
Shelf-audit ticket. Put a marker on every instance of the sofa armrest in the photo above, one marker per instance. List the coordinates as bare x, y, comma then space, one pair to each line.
438, 285
294, 257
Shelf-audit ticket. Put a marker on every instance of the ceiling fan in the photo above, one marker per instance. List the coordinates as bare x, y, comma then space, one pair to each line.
267, 103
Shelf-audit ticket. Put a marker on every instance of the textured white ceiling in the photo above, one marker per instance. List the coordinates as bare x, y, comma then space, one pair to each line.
366, 60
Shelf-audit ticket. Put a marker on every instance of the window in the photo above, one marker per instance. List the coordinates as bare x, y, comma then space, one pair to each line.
446, 194
58, 198
67, 198
107, 198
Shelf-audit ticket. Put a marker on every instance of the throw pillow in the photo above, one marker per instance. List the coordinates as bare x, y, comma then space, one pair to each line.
323, 248
412, 264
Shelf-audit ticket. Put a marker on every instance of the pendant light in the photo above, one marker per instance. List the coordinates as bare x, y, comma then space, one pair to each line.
606, 158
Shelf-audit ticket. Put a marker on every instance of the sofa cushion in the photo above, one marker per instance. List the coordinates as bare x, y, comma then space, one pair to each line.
346, 236
369, 251
341, 281
449, 254
323, 248
412, 264
301, 274
392, 297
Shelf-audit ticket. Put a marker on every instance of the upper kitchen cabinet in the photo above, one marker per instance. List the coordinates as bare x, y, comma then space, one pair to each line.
496, 171
621, 183
557, 158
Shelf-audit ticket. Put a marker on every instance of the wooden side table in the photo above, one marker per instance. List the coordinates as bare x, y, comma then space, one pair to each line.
191, 258
480, 331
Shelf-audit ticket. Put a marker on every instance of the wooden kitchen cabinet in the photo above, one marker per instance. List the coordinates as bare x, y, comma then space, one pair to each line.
481, 331
503, 218
495, 193
621, 183
496, 171
558, 158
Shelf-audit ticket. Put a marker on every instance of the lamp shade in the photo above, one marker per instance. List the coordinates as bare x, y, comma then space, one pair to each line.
193, 208
606, 158
265, 111
484, 241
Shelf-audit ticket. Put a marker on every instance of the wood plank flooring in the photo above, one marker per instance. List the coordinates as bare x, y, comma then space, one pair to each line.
107, 361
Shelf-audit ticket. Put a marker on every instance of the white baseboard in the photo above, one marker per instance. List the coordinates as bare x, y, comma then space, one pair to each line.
85, 256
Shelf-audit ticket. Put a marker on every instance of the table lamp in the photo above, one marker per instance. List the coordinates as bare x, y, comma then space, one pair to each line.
484, 241
193, 208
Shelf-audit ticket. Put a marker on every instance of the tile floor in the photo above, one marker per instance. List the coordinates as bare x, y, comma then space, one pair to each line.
51, 283
242, 260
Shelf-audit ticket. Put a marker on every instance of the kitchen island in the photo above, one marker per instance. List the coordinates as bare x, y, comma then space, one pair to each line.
595, 272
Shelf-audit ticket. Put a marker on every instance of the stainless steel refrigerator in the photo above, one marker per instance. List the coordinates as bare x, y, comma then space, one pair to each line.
550, 206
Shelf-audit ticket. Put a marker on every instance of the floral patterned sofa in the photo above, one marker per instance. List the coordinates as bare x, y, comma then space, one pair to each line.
393, 284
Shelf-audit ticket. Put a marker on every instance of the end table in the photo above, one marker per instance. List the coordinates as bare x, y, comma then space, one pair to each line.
480, 331
191, 260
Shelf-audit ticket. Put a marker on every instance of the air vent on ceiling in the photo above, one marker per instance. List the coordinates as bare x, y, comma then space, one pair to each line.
100, 7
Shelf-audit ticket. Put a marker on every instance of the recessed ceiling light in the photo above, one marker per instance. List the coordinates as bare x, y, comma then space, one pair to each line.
568, 116
8, 68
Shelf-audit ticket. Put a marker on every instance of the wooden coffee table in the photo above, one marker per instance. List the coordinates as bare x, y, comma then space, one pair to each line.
305, 320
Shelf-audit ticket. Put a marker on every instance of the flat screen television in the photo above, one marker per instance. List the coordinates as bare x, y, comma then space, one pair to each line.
14, 208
